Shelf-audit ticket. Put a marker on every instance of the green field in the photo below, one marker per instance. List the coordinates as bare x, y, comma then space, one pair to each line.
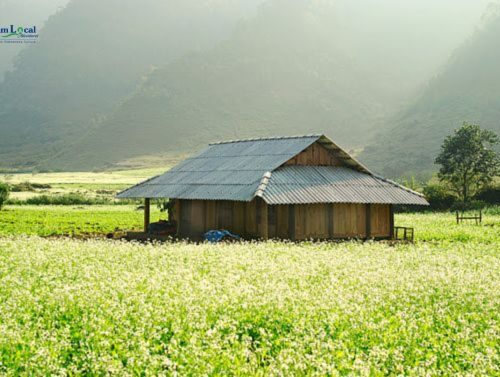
100, 220
72, 221
100, 307
93, 184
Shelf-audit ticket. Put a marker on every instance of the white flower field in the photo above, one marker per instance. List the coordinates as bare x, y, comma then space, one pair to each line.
95, 307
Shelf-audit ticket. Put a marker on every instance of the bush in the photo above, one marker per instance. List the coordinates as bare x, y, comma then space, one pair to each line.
439, 197
490, 195
28, 186
475, 205
68, 199
4, 194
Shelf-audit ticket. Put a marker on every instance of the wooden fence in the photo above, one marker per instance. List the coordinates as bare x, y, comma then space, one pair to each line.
477, 218
402, 233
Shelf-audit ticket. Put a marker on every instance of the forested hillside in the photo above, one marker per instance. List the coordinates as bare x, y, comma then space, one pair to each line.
467, 89
90, 56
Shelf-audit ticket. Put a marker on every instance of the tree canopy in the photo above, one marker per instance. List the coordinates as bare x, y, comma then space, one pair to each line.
468, 160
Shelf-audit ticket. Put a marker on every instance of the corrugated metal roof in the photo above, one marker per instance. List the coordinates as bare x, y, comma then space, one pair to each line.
223, 171
324, 184
241, 170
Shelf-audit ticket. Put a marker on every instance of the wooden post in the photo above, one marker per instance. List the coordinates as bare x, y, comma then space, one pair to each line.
147, 211
178, 209
457, 219
245, 232
368, 221
391, 220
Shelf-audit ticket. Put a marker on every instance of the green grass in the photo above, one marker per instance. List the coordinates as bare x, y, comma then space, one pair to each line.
442, 227
90, 184
70, 220
101, 178
98, 219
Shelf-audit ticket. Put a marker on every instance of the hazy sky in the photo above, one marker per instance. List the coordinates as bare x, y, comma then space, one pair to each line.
412, 38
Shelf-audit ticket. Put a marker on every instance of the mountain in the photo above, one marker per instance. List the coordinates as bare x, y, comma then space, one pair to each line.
467, 89
23, 12
279, 73
92, 54
118, 80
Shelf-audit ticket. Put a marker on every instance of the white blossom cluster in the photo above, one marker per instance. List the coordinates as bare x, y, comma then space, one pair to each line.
72, 307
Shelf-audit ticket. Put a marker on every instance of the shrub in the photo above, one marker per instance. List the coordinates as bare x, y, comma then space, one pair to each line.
474, 205
490, 195
439, 197
4, 194
67, 199
28, 186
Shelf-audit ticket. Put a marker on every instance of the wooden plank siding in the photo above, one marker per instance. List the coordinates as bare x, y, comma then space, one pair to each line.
315, 155
294, 222
311, 221
196, 217
251, 220
262, 219
282, 222
380, 221
349, 220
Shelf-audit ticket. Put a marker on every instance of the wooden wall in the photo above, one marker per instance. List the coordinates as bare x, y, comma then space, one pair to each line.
380, 220
196, 217
296, 222
315, 155
349, 220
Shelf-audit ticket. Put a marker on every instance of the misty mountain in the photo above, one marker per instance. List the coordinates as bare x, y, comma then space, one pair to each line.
118, 79
279, 73
467, 89
92, 54
401, 44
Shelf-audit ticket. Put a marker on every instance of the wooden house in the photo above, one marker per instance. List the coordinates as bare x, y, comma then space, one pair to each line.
292, 188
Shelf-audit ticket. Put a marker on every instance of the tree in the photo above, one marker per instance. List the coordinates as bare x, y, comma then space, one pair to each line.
4, 194
468, 160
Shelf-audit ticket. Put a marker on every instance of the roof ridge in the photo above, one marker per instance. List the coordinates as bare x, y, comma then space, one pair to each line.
267, 138
263, 184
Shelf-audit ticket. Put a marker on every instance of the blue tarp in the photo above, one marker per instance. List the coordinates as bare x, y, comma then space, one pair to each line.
215, 236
